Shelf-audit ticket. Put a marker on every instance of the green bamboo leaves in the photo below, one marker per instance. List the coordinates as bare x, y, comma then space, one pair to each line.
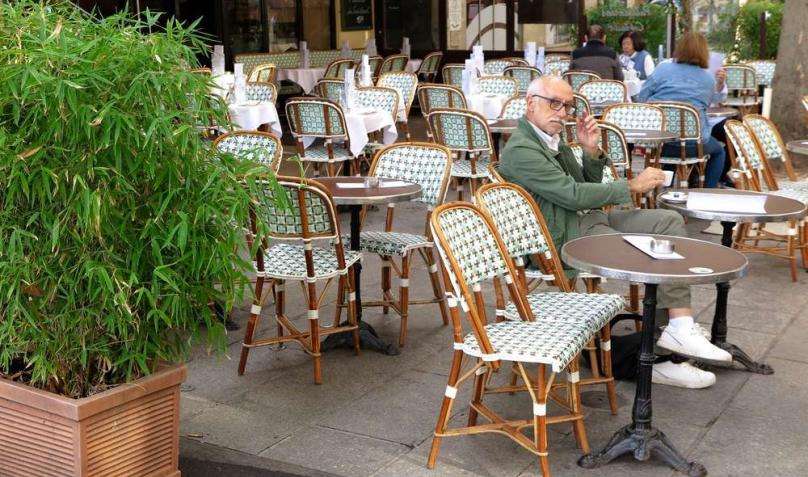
119, 226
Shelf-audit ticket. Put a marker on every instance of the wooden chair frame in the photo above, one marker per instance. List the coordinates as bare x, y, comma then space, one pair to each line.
320, 89
390, 61
446, 76
255, 74
429, 75
407, 99
786, 158
287, 331
569, 75
334, 70
293, 117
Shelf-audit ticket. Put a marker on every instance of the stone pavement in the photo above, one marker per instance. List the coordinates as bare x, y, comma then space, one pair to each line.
374, 414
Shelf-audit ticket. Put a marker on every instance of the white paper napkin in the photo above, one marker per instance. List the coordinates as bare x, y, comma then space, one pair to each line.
740, 203
643, 242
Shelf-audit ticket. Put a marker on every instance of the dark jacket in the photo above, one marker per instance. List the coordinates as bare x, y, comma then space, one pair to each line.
597, 57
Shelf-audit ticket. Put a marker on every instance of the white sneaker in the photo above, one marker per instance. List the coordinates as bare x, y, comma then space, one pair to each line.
683, 375
689, 341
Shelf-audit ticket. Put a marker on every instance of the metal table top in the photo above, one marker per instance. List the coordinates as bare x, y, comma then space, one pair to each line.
800, 146
634, 136
778, 209
367, 195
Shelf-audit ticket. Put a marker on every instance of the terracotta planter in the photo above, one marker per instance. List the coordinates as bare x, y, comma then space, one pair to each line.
130, 430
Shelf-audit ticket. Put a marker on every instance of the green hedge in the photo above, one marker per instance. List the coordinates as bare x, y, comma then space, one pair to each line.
722, 37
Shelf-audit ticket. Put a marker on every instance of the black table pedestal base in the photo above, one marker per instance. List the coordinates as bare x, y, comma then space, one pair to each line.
368, 339
643, 444
739, 356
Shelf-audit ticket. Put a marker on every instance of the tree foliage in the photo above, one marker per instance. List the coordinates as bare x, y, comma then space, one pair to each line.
119, 226
722, 38
616, 18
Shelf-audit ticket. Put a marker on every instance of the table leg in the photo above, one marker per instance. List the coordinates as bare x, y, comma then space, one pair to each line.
640, 437
726, 234
719, 334
368, 337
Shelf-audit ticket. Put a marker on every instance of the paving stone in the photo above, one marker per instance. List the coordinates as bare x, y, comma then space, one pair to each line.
791, 344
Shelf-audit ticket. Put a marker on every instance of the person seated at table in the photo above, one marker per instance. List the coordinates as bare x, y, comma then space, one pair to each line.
634, 55
686, 79
596, 56
570, 198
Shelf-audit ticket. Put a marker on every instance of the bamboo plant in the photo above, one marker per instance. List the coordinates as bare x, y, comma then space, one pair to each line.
119, 225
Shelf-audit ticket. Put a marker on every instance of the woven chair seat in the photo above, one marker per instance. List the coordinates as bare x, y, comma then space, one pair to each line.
679, 160
320, 154
462, 168
288, 262
592, 310
554, 343
391, 243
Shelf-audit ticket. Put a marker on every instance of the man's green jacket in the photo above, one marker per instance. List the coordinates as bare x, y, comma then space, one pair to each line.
558, 184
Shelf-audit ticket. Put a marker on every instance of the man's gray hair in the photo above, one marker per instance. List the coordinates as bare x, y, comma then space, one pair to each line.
539, 85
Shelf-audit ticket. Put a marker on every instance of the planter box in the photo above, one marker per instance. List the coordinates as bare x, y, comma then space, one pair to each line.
130, 430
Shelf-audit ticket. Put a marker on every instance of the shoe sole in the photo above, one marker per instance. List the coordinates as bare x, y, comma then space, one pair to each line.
700, 359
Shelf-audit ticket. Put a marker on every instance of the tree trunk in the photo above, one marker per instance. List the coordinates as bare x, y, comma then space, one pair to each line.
791, 75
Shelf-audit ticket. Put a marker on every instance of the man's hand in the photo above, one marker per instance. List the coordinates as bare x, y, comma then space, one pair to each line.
588, 134
720, 79
649, 179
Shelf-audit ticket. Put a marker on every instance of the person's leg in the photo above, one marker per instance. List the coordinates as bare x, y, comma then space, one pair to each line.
720, 135
715, 165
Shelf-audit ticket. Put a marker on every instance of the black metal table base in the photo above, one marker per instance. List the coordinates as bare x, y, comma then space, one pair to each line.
642, 444
368, 339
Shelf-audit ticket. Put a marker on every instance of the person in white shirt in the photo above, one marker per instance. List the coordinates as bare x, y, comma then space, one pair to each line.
635, 55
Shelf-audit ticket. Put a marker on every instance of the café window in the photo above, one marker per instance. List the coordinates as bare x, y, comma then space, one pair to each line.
419, 20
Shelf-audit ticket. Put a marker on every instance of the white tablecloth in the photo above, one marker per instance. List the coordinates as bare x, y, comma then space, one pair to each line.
223, 84
489, 105
250, 116
413, 65
633, 86
307, 78
361, 125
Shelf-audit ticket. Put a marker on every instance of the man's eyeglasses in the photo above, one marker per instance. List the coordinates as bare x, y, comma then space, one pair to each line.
557, 104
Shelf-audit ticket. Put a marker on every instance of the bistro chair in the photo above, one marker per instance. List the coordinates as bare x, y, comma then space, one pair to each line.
378, 98
406, 84
499, 85
521, 226
552, 57
556, 67
394, 64
428, 165
464, 133
330, 89
262, 91
683, 120
578, 77
742, 87
430, 66
439, 96
301, 211
604, 91
452, 74
516, 61
311, 119
261, 147
514, 108
764, 71
496, 67
336, 69
202, 71
753, 173
524, 75
773, 148
581, 107
264, 73
472, 254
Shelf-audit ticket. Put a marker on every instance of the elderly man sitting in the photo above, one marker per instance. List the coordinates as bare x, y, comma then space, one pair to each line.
570, 198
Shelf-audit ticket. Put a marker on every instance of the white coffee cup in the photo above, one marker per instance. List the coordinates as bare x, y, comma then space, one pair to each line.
668, 178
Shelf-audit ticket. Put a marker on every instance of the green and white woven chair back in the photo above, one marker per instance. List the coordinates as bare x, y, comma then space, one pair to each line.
578, 152
375, 63
524, 75
581, 105
616, 147
577, 78
280, 60
264, 92
740, 78
460, 130
438, 96
431, 63
263, 73
463, 234
515, 221
453, 74
495, 67
515, 108
320, 58
681, 119
279, 207
427, 165
746, 152
603, 91
330, 89
394, 64
403, 82
336, 69
556, 68
766, 133
500, 85
764, 71
315, 117
260, 147
635, 116
384, 99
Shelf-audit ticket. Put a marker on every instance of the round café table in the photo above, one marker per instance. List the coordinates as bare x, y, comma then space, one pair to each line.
354, 198
721, 112
502, 126
610, 256
778, 209
800, 146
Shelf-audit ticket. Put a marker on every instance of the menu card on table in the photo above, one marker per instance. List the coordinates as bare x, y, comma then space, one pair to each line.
643, 242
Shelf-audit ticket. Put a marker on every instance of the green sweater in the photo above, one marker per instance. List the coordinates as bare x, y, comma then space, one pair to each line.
558, 184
